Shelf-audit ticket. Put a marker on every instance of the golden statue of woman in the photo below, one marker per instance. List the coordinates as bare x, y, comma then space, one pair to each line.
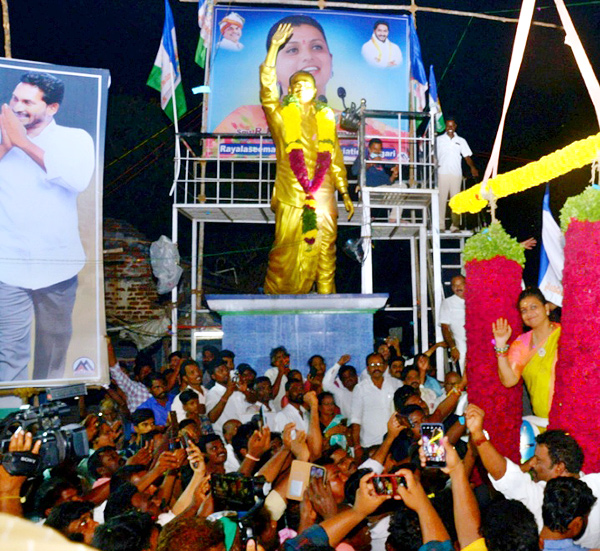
310, 168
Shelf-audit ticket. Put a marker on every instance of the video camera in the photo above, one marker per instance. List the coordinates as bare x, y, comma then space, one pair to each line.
58, 442
233, 492
236, 492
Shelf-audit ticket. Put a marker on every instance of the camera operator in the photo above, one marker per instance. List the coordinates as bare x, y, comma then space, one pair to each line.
10, 486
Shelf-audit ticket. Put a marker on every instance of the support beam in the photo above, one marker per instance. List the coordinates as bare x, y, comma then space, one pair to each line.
413, 8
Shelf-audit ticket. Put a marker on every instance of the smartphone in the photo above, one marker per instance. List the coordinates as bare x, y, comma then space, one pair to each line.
261, 419
387, 484
172, 432
186, 439
431, 435
300, 475
317, 472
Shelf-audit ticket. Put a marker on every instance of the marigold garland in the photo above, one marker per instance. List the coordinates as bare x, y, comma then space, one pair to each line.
575, 155
291, 114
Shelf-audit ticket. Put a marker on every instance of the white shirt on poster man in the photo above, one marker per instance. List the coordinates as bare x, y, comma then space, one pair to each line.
380, 51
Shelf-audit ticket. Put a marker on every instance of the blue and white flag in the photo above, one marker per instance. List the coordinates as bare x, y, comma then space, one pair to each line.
166, 75
205, 17
435, 108
552, 255
418, 78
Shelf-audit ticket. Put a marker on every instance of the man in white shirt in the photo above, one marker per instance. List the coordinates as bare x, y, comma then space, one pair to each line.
264, 401
43, 169
340, 380
224, 401
230, 429
372, 405
452, 320
191, 378
451, 148
411, 376
280, 360
294, 412
556, 454
380, 51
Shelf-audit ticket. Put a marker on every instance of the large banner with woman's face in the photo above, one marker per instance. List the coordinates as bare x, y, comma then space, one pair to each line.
52, 325
358, 55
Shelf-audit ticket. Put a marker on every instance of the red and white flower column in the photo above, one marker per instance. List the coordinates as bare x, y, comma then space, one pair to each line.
493, 283
576, 402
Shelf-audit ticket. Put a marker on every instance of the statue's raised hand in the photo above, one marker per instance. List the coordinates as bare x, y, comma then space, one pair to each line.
282, 34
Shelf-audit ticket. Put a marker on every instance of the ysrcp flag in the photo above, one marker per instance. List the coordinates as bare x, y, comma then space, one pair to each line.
552, 256
165, 75
205, 15
418, 78
435, 108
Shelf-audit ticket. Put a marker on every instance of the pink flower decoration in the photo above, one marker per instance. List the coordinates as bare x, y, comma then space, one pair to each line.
492, 289
575, 406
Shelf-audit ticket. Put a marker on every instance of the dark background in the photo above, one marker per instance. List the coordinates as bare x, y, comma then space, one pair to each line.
549, 110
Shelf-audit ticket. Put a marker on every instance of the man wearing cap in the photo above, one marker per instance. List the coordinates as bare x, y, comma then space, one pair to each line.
231, 28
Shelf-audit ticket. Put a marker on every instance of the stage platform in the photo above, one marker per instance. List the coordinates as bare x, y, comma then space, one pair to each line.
329, 325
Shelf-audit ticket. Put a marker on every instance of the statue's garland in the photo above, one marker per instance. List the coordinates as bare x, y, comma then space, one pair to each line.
292, 125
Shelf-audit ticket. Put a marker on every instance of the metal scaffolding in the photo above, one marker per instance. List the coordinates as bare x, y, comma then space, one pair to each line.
231, 182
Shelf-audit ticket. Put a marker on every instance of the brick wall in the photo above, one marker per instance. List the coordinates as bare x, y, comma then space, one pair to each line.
129, 286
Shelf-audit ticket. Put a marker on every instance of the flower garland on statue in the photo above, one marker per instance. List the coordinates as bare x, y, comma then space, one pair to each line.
291, 114
575, 155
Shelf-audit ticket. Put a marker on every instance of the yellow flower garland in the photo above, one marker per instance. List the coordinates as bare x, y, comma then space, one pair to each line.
292, 126
575, 155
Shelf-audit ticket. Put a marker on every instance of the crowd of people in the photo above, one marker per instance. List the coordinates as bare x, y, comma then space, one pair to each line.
209, 455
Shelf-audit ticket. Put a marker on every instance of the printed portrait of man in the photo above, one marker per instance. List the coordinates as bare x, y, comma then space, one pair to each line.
380, 51
43, 168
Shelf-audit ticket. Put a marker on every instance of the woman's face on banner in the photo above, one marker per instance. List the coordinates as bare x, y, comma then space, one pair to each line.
306, 50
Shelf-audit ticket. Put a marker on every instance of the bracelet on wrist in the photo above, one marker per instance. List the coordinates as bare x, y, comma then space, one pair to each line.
479, 441
501, 349
252, 458
501, 355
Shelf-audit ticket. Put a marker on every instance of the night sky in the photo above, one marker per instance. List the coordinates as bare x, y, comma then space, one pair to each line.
550, 107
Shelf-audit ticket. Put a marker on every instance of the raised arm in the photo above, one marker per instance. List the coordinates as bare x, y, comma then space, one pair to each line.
396, 424
414, 496
493, 461
467, 518
215, 410
314, 435
367, 501
502, 332
280, 37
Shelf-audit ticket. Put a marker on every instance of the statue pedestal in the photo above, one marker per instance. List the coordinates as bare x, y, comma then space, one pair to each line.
328, 325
